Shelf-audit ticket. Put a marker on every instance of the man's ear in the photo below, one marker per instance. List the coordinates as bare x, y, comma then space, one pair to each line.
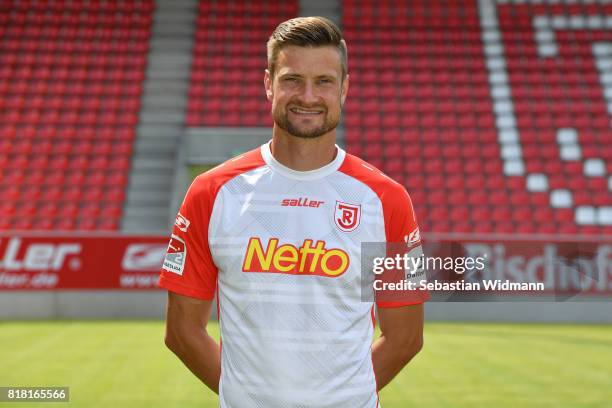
344, 90
268, 85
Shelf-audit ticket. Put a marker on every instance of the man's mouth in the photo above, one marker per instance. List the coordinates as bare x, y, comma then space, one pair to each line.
302, 111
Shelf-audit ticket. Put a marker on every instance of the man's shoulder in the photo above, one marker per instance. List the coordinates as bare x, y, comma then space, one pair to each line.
396, 204
377, 180
213, 179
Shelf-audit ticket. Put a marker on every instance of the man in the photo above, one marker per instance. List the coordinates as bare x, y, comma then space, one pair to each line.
276, 234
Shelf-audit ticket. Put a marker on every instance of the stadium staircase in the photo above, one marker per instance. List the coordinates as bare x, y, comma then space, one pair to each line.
156, 161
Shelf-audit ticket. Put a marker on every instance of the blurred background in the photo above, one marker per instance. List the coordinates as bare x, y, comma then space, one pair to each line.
496, 115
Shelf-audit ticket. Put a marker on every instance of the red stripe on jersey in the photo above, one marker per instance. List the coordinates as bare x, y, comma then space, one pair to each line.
198, 277
398, 212
396, 203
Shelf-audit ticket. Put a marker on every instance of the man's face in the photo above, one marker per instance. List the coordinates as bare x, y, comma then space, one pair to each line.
307, 91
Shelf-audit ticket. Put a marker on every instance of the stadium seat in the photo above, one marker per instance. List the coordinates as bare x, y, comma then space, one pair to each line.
219, 87
423, 105
66, 113
441, 85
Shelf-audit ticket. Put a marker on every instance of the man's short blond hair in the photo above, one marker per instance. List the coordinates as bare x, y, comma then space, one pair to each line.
306, 32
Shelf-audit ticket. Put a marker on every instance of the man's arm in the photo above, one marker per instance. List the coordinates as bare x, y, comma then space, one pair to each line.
186, 336
400, 340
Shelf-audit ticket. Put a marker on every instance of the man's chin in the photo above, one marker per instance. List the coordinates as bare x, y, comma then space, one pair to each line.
307, 133
304, 130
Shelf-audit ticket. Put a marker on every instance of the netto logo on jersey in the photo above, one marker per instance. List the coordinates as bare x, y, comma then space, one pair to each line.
301, 202
308, 259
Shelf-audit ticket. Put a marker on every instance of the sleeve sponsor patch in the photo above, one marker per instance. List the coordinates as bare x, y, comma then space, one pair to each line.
181, 222
414, 237
175, 256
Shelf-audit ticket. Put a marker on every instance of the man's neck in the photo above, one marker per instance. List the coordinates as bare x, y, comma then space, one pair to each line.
303, 154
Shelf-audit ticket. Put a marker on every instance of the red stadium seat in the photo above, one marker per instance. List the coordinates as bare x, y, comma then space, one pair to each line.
43, 224
107, 224
241, 106
421, 106
439, 83
86, 224
62, 101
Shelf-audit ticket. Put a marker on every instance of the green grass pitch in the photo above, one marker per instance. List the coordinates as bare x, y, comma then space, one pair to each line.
125, 364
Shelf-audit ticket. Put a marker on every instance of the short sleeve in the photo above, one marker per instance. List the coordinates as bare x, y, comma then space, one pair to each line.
400, 219
403, 235
188, 267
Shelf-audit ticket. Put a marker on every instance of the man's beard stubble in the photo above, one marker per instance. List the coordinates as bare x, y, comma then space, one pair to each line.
281, 119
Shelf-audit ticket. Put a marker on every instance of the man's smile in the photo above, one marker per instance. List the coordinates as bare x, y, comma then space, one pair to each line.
304, 111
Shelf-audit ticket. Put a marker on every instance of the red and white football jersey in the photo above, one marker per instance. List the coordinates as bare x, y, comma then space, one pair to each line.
281, 248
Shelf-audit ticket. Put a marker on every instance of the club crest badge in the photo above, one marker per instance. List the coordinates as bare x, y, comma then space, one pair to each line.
347, 216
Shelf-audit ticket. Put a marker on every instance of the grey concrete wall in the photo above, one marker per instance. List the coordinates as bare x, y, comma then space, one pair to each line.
140, 304
570, 312
82, 304
216, 145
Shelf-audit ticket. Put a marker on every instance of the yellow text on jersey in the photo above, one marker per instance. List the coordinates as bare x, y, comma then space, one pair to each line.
308, 259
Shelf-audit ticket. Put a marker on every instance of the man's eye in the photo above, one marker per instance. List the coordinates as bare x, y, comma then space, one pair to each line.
325, 81
291, 79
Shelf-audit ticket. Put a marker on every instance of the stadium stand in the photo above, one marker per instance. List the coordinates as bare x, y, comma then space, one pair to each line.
495, 115
229, 59
70, 86
492, 114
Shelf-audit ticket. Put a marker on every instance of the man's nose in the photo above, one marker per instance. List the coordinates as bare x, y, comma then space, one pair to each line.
309, 96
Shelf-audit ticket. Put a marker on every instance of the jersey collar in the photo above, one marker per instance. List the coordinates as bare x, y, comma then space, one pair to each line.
321, 172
